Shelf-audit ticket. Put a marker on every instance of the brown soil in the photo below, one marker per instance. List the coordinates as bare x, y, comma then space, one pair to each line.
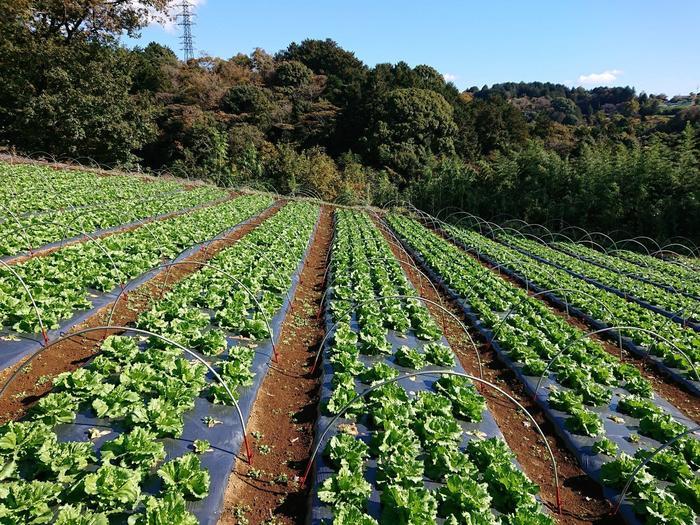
34, 380
663, 385
284, 412
581, 498
39, 252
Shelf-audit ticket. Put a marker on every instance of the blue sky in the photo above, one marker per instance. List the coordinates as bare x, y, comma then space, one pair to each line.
651, 45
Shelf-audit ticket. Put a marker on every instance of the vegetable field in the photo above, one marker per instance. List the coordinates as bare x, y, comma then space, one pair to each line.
184, 354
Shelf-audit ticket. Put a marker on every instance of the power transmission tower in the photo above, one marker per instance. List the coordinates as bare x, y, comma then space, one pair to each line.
185, 17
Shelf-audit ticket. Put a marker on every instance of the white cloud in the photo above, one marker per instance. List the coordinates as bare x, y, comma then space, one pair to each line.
606, 77
449, 77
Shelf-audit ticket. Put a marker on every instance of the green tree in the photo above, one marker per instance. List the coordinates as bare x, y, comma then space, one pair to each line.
292, 74
412, 125
565, 111
153, 72
191, 143
94, 20
344, 77
66, 86
249, 103
683, 209
247, 145
498, 125
79, 104
344, 72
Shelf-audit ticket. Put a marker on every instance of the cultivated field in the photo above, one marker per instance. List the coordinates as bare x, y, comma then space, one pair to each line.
180, 353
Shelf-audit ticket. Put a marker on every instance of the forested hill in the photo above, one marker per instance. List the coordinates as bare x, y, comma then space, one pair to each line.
313, 117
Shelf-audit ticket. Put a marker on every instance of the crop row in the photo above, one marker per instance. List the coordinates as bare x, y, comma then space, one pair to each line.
670, 280
678, 305
683, 267
27, 189
416, 450
692, 264
136, 435
20, 234
60, 283
599, 304
244, 285
607, 412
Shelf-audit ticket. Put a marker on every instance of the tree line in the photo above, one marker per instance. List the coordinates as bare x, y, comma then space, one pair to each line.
314, 118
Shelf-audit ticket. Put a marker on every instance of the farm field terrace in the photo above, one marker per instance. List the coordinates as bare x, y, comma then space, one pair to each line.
146, 341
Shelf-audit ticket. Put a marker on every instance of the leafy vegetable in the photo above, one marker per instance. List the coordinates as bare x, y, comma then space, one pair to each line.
463, 494
201, 446
584, 422
138, 449
606, 447
439, 354
404, 506
378, 372
616, 473
345, 514
467, 404
185, 476
80, 515
345, 450
28, 502
661, 507
65, 460
54, 408
347, 487
113, 488
171, 509
409, 358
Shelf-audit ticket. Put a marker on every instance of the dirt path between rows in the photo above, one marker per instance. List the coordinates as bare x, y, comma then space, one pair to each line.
582, 498
35, 380
285, 410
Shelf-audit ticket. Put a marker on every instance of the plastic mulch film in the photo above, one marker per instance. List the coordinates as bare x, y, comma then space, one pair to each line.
675, 374
15, 346
87, 236
583, 258
226, 436
618, 430
487, 428
661, 311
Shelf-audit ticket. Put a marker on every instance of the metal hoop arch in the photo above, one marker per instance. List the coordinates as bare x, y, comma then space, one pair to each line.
664, 249
642, 464
523, 299
121, 329
236, 280
482, 381
589, 236
619, 330
690, 244
31, 297
575, 229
